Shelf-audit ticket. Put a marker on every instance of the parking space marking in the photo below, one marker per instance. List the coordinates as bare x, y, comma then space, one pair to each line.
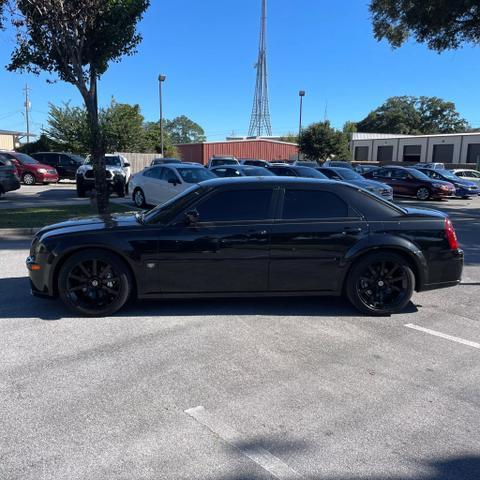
259, 455
444, 335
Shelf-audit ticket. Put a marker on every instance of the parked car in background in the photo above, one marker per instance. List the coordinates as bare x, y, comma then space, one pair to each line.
31, 171
466, 174
354, 178
361, 169
265, 236
163, 161
241, 171
224, 160
410, 182
66, 164
430, 165
9, 179
254, 162
305, 163
284, 170
158, 184
338, 163
464, 188
117, 170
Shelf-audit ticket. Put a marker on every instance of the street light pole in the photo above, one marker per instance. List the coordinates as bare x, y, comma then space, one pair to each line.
161, 79
301, 94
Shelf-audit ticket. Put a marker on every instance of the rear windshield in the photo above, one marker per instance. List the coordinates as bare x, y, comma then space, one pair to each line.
223, 161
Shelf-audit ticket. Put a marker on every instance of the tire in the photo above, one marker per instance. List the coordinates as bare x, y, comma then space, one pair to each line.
94, 283
81, 192
120, 190
380, 284
423, 194
138, 198
29, 179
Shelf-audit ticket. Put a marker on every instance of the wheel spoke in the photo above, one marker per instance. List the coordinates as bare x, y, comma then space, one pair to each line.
94, 267
84, 270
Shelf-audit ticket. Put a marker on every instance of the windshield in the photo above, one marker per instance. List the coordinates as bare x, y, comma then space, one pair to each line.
195, 175
167, 211
25, 159
257, 172
348, 174
78, 158
109, 161
418, 175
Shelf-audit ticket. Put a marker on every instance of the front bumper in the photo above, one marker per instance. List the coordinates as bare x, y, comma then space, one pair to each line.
38, 273
47, 177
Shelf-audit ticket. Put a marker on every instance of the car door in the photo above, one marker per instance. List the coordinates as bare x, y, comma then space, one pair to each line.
67, 167
50, 159
225, 250
172, 185
402, 182
151, 184
314, 230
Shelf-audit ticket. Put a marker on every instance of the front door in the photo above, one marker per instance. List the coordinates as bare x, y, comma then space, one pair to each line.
225, 250
315, 230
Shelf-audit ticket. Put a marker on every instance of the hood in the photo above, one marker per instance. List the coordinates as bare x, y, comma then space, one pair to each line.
464, 183
90, 224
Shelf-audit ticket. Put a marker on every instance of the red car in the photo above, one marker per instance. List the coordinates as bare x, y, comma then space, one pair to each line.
30, 170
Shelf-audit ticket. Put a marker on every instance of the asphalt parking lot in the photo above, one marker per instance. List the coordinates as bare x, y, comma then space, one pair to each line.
290, 388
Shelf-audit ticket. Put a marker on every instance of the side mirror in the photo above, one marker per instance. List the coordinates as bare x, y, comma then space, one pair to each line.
126, 164
191, 217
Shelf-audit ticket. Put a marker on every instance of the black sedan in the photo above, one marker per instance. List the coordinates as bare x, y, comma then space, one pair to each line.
249, 236
285, 170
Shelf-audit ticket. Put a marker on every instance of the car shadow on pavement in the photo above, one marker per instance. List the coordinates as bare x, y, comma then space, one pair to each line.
457, 468
18, 303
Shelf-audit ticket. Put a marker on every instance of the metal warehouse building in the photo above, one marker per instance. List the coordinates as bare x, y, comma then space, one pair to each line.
259, 148
458, 148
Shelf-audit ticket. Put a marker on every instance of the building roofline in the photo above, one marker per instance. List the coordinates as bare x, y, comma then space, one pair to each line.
393, 136
229, 142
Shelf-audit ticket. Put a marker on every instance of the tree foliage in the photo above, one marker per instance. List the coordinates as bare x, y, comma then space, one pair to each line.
414, 116
321, 141
441, 24
183, 130
75, 41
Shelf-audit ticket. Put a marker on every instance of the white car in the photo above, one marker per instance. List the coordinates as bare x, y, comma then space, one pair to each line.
156, 185
472, 175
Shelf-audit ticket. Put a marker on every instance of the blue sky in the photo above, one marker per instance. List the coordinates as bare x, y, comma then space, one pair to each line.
207, 50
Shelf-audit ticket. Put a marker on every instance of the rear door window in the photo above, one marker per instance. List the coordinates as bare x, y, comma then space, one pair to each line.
313, 205
236, 206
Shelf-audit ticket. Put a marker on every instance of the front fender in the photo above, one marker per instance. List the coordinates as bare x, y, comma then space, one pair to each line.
377, 242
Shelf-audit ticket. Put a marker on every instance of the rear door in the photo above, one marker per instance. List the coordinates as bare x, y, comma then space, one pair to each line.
225, 251
67, 167
314, 230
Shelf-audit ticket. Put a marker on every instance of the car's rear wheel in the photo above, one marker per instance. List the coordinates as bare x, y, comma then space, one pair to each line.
423, 193
94, 283
381, 284
139, 198
28, 179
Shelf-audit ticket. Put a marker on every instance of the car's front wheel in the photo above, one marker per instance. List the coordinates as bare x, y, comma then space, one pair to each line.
423, 193
94, 283
381, 284
29, 179
139, 198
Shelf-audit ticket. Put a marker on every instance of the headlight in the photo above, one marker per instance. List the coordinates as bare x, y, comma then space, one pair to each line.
441, 186
42, 170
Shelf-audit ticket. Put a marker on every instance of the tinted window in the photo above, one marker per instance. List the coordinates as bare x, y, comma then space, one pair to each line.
169, 175
308, 172
226, 172
313, 205
153, 173
195, 175
241, 205
283, 172
256, 172
65, 161
113, 161
331, 174
399, 174
382, 173
25, 159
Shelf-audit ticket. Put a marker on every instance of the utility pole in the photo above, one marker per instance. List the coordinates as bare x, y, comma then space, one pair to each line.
301, 94
27, 110
161, 79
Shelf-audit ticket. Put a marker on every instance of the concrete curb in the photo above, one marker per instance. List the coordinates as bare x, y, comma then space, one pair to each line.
12, 233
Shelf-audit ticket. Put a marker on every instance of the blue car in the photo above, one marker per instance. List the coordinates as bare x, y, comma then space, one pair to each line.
465, 188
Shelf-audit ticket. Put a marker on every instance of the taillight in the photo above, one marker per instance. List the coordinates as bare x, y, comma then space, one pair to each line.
451, 235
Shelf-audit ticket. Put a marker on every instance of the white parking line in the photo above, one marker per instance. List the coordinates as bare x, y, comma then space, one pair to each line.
444, 335
259, 455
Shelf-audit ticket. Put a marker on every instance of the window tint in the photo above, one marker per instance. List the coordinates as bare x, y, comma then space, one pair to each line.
169, 175
382, 173
154, 173
195, 175
283, 172
65, 161
313, 205
241, 205
399, 174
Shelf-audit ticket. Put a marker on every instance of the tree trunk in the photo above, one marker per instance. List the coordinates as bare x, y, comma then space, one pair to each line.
97, 151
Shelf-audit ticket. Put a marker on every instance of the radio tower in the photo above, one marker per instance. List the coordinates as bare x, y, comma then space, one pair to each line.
260, 122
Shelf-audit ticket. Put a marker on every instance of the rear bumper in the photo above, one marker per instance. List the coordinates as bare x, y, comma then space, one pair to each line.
445, 272
9, 185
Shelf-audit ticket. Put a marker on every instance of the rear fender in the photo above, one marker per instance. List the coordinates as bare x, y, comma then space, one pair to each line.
378, 242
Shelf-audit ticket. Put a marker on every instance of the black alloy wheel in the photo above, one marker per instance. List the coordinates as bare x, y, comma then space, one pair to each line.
94, 283
381, 284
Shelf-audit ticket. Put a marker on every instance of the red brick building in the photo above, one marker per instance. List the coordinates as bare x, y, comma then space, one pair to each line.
263, 149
